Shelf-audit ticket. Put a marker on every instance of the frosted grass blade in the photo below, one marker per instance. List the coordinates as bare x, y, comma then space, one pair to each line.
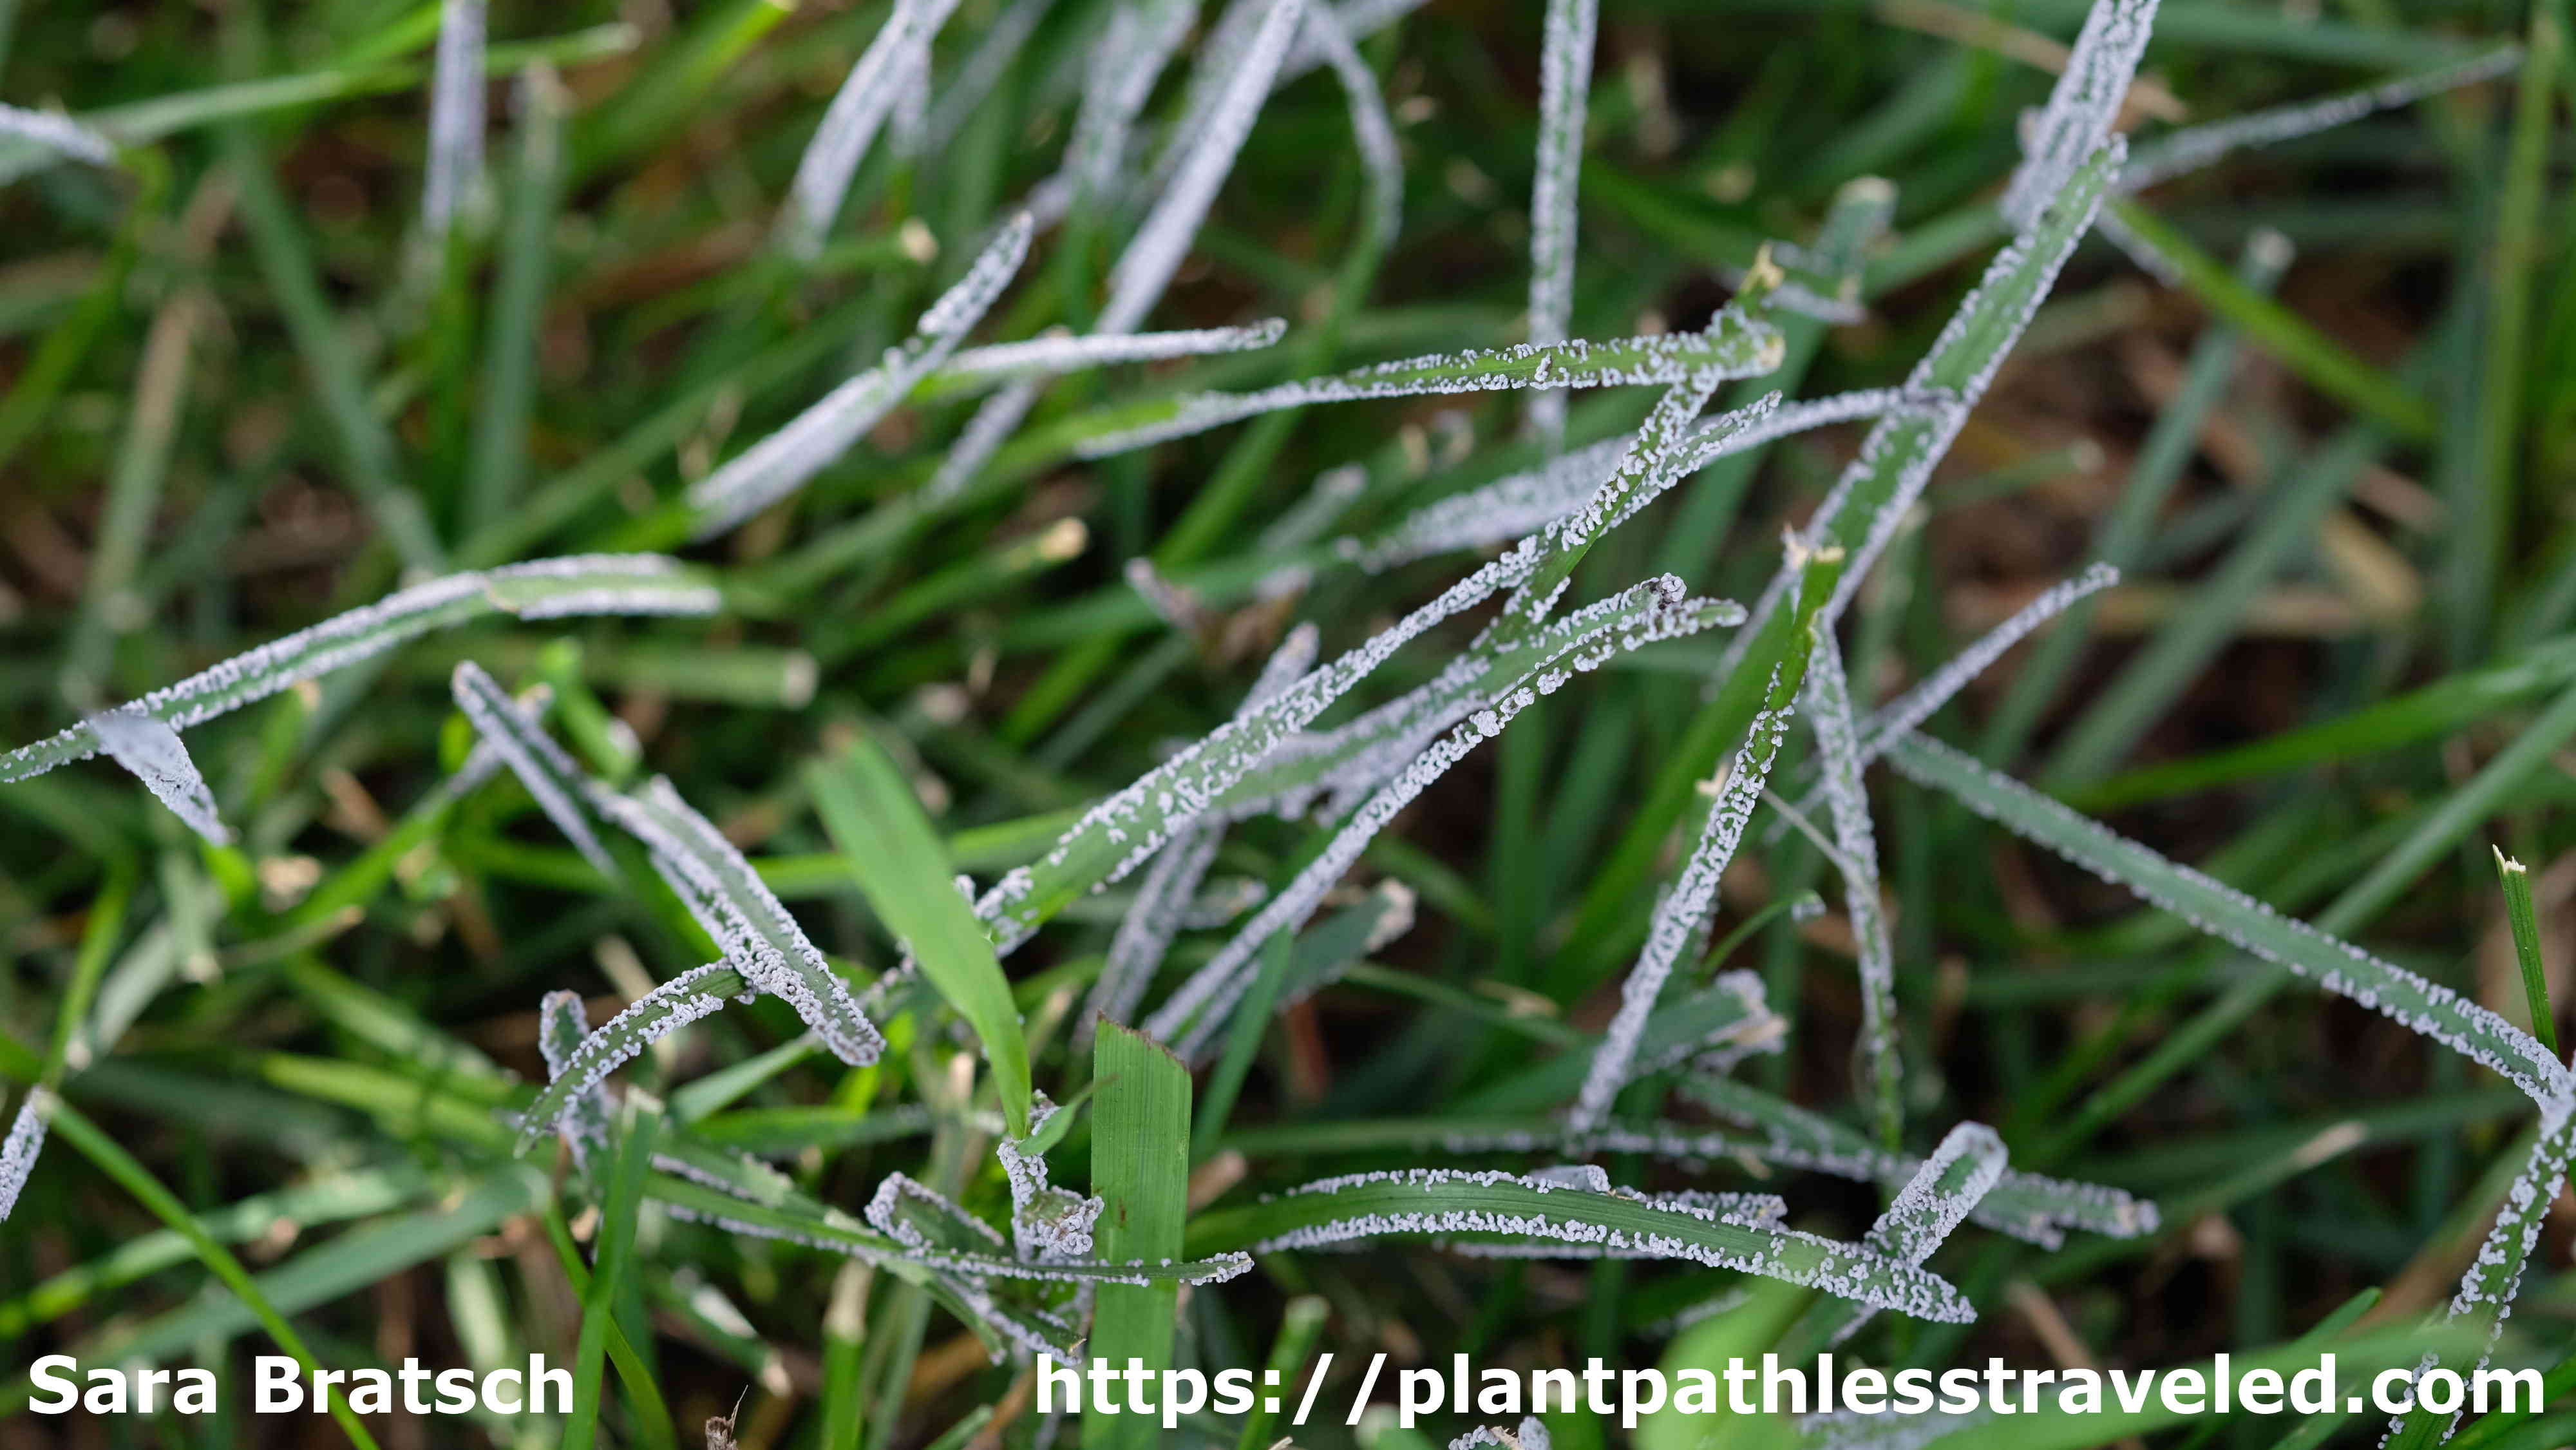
2081, 106
59, 134
2193, 147
455, 119
1734, 346
1532, 1435
781, 463
1130, 55
1933, 1203
646, 584
1137, 280
1440, 1201
1644, 613
26, 1140
1565, 88
1829, 713
1046, 356
1381, 159
585, 1115
850, 123
728, 898
152, 753
689, 997
901, 868
1163, 899
2337, 966
552, 780
2487, 1289
1676, 919
2523, 921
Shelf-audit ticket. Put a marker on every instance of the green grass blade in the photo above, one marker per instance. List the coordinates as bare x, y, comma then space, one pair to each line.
899, 863
1140, 1165
2525, 924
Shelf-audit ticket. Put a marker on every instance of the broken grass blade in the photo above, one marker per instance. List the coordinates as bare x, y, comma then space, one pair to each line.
2222, 911
783, 462
1565, 88
694, 994
850, 123
1734, 346
868, 807
550, 776
1440, 1201
153, 753
2524, 922
538, 589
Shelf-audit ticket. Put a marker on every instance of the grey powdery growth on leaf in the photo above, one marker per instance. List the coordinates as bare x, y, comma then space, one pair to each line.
850, 123
694, 994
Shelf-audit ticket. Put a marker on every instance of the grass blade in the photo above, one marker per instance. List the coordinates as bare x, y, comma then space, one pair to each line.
869, 808
2526, 948
1140, 1164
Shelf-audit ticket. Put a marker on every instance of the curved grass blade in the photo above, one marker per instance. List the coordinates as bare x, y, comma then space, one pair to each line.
1439, 1201
694, 994
759, 937
539, 589
901, 867
1930, 1207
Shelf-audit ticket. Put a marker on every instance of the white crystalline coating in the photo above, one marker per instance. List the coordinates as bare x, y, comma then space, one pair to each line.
561, 1027
541, 765
1525, 502
26, 1140
1174, 604
153, 753
2487, 1289
1590, 1177
1063, 353
1442, 1201
1829, 712
1734, 346
455, 117
1381, 160
1934, 1202
1532, 1435
1129, 56
2081, 107
1642, 614
850, 123
1755, 1028
1677, 915
1889, 1430
1145, 268
57, 133
1164, 900
2222, 911
813, 440
655, 1015
2193, 147
746, 918
1565, 89
538, 589
1048, 1225
899, 1202
983, 70
1937, 689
